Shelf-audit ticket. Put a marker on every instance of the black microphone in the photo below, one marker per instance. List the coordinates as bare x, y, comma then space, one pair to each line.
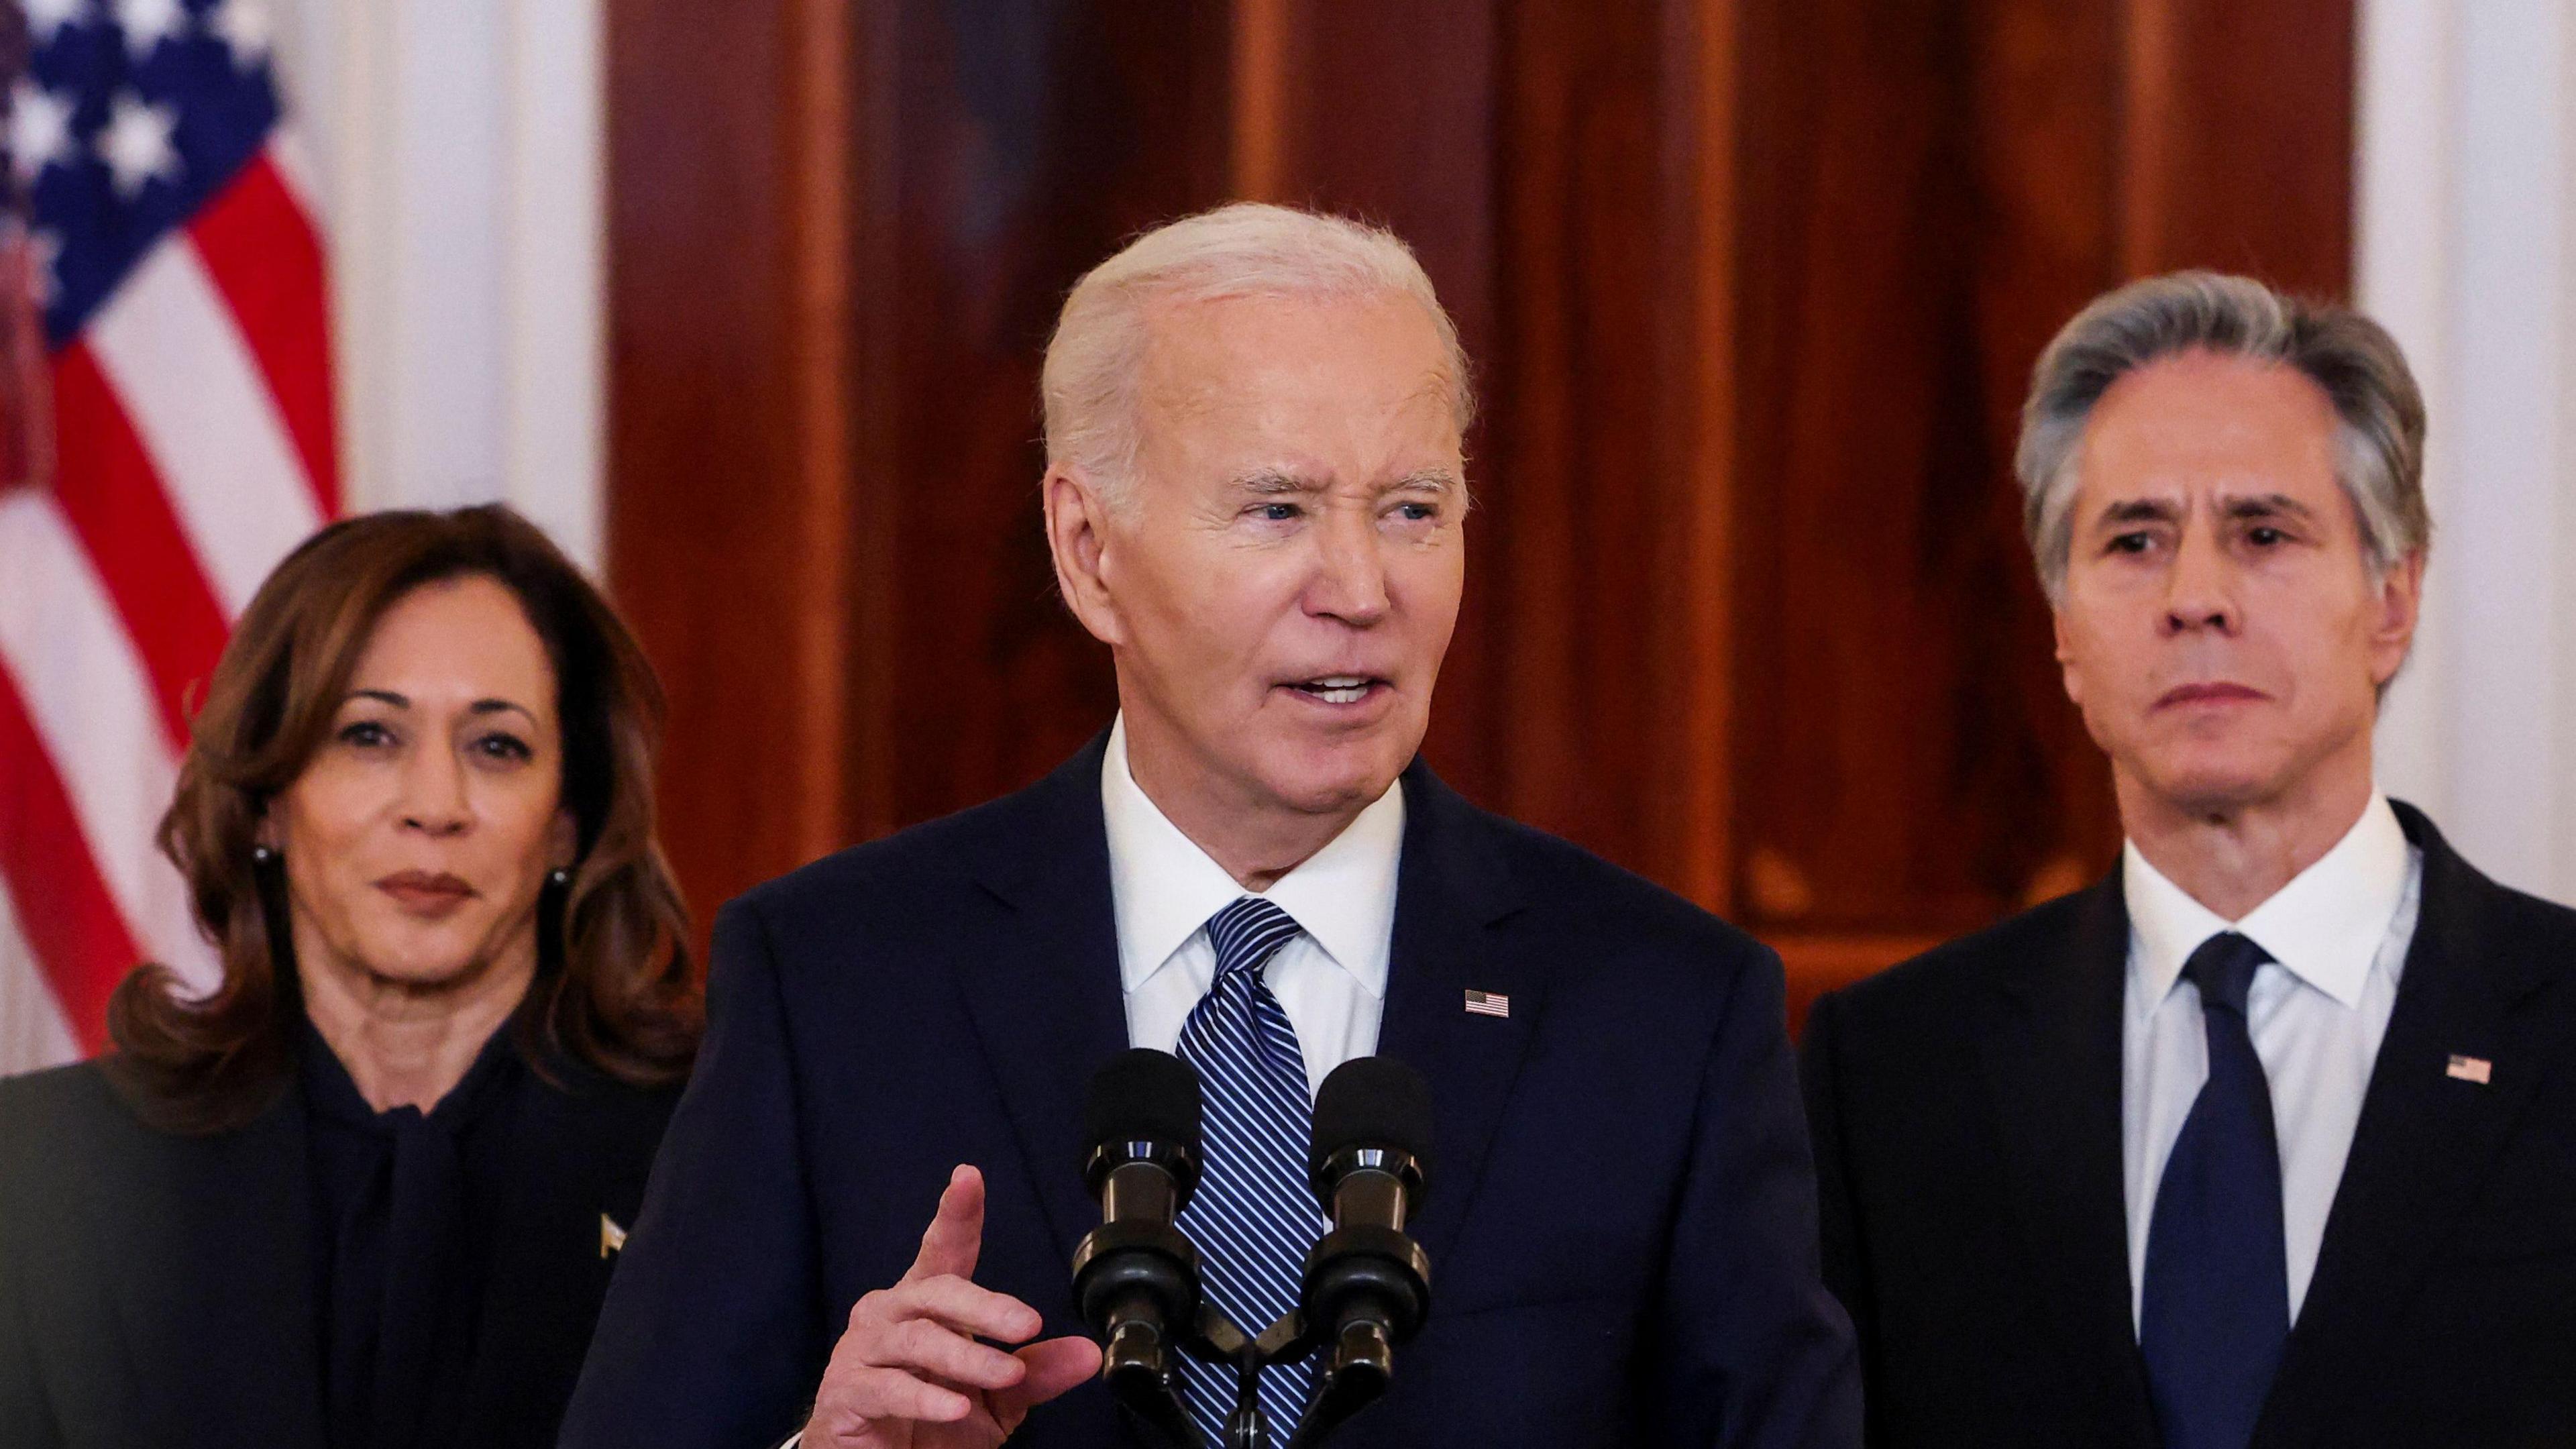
1368, 1284
1135, 1275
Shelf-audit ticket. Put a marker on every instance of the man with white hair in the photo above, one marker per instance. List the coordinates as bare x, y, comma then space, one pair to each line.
1255, 496
2270, 1137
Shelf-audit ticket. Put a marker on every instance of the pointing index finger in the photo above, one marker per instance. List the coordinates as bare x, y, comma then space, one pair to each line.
955, 1238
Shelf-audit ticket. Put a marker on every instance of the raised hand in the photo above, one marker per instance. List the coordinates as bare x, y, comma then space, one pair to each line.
908, 1372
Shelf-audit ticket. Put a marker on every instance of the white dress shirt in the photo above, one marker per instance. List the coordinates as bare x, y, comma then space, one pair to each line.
2337, 935
1331, 980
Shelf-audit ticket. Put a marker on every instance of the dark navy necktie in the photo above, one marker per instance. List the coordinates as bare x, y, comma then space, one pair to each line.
1252, 1218
2216, 1306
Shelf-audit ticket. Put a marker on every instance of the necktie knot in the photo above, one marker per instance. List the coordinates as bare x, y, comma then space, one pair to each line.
1246, 934
2223, 969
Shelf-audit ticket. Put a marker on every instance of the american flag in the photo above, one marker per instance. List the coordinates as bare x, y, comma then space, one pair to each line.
172, 249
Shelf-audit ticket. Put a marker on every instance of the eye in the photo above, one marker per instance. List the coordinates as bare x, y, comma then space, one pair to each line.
2265, 536
1278, 512
2129, 543
1417, 512
504, 746
365, 734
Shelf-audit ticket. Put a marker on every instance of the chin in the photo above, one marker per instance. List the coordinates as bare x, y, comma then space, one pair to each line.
2212, 783
427, 964
1333, 780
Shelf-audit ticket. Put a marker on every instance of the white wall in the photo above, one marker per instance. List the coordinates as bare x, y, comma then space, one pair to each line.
2467, 242
455, 152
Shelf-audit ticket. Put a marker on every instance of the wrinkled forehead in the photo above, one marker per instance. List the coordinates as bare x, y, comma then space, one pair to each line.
1366, 356
2209, 431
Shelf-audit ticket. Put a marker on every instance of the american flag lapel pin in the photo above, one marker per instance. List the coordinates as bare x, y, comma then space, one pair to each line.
1488, 1003
2470, 1069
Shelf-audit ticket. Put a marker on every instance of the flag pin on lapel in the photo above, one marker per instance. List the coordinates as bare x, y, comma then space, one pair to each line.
2470, 1069
1488, 1003
611, 1236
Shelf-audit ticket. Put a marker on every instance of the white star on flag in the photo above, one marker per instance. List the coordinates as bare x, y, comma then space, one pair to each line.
243, 25
40, 128
147, 23
44, 17
137, 143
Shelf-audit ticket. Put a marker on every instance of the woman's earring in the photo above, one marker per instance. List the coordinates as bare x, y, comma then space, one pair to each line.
561, 877
261, 855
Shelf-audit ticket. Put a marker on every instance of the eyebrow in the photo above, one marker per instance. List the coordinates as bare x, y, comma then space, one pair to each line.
480, 706
1269, 482
2158, 510
2267, 505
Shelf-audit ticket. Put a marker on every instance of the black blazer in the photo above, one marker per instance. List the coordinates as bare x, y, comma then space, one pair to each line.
159, 1289
1966, 1108
1621, 1218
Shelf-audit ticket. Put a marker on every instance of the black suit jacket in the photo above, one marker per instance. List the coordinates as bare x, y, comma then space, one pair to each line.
159, 1289
1621, 1217
1966, 1107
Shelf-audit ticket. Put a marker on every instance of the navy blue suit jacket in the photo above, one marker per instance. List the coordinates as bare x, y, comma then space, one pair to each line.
1621, 1223
1967, 1115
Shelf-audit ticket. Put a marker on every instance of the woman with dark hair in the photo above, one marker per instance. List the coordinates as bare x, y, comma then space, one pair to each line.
368, 1191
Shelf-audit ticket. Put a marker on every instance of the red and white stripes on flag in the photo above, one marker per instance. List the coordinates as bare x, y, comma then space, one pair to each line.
193, 448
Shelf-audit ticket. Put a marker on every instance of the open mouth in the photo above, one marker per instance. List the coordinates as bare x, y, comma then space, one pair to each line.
1339, 688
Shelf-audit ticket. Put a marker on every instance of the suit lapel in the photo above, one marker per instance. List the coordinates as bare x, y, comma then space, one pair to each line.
1040, 974
1452, 889
218, 1301
2424, 1141
574, 1153
2051, 1057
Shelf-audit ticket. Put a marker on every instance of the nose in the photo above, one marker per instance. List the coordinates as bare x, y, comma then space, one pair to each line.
433, 798
2200, 588
1350, 574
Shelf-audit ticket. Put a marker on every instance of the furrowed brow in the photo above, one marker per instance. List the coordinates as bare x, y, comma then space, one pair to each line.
1269, 482
1428, 480
2268, 505
2139, 510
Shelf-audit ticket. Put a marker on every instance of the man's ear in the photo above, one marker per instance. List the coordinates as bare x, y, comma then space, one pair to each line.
2066, 657
1079, 537
2394, 613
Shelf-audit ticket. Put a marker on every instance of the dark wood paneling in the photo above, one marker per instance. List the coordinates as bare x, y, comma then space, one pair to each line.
1925, 198
2239, 140
723, 545
1929, 192
1753, 287
1027, 146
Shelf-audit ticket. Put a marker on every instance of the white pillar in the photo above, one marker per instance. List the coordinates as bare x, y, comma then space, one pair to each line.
457, 158
2467, 241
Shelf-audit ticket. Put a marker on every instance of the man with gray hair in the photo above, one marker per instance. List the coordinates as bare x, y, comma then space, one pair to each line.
2270, 1137
1255, 496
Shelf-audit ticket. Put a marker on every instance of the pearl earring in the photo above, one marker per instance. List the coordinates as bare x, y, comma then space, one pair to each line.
261, 855
561, 877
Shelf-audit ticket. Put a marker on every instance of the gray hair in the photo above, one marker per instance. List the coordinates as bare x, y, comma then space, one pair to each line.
1094, 363
2379, 414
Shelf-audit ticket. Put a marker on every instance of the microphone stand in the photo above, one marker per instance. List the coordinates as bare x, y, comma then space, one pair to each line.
1355, 1373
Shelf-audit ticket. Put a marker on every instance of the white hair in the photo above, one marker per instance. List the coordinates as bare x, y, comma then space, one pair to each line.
1095, 361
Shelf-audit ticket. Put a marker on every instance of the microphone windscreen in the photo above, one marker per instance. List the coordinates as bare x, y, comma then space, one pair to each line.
1373, 1102
1143, 1096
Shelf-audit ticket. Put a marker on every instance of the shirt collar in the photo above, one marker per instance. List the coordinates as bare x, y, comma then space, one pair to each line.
2325, 927
1165, 887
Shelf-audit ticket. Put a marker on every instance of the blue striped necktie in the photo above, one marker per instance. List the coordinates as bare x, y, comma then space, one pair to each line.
2215, 1313
1252, 1218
